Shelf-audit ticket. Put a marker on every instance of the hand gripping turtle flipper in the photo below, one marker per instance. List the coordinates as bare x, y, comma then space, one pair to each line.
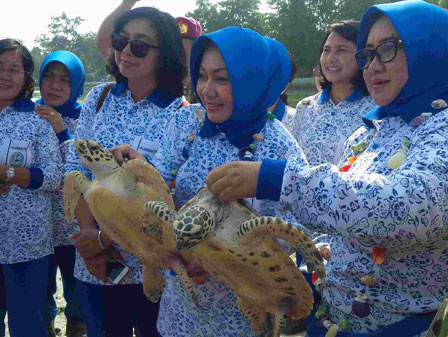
75, 184
277, 228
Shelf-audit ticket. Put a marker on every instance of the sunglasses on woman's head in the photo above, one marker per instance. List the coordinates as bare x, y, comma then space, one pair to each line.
138, 48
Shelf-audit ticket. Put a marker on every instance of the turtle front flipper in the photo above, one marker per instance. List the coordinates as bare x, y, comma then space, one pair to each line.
75, 184
277, 228
154, 213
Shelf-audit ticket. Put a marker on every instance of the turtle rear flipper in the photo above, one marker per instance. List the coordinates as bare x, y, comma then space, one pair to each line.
153, 283
186, 281
277, 228
258, 317
75, 184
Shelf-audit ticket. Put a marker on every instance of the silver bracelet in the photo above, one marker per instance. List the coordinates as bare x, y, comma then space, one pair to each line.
99, 240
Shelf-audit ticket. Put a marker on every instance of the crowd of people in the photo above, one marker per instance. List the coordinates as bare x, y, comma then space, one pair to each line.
362, 167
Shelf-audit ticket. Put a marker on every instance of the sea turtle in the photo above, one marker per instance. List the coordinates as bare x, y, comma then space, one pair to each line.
237, 246
116, 198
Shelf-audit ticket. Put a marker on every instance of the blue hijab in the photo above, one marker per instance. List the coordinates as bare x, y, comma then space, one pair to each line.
423, 28
259, 70
71, 108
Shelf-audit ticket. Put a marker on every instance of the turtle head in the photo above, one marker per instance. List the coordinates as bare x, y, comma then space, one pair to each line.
95, 157
192, 225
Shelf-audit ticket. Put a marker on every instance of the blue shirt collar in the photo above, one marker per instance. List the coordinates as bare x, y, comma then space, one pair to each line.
280, 110
157, 97
325, 96
24, 104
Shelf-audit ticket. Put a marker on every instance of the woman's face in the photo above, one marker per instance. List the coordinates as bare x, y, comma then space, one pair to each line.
338, 60
12, 77
214, 87
131, 66
56, 84
385, 80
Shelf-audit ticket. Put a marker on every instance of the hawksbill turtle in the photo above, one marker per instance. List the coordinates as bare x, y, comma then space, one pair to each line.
237, 246
116, 198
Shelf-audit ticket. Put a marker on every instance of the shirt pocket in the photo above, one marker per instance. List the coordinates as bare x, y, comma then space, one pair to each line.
16, 153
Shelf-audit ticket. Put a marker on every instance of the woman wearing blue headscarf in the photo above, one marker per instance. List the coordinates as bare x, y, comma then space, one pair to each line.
386, 208
61, 82
237, 74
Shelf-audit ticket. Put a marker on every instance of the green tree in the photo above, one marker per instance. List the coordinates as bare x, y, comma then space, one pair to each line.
38, 56
242, 13
63, 35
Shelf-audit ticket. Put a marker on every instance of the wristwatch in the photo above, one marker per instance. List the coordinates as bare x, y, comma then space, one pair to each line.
10, 173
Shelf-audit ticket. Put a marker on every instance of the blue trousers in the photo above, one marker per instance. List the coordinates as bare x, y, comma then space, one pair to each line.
25, 299
113, 311
64, 258
2, 303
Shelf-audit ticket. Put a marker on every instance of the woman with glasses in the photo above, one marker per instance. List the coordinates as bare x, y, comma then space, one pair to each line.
30, 169
385, 208
148, 63
321, 123
61, 83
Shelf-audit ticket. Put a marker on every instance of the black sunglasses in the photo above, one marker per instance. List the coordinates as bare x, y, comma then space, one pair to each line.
384, 52
138, 48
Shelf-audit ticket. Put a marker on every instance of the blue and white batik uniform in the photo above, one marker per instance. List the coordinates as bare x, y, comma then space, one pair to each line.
396, 212
259, 69
121, 121
218, 315
70, 113
28, 141
321, 127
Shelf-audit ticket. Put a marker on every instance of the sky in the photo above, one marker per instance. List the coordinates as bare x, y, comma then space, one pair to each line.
27, 19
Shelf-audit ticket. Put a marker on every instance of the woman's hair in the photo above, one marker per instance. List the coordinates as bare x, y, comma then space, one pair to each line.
28, 65
348, 29
171, 63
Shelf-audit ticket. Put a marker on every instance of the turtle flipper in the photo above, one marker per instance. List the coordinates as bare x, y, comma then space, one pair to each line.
257, 316
186, 281
155, 214
153, 283
277, 228
75, 184
147, 176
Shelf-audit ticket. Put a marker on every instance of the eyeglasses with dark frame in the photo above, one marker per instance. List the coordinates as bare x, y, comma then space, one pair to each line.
138, 48
13, 72
384, 52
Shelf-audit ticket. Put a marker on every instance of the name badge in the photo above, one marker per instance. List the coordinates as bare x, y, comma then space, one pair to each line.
15, 153
146, 147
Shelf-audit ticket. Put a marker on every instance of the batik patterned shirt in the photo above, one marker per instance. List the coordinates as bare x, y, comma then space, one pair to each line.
27, 141
61, 228
119, 121
373, 207
194, 157
321, 127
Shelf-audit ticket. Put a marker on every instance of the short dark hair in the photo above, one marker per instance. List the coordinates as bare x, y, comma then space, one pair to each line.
172, 61
28, 66
348, 29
